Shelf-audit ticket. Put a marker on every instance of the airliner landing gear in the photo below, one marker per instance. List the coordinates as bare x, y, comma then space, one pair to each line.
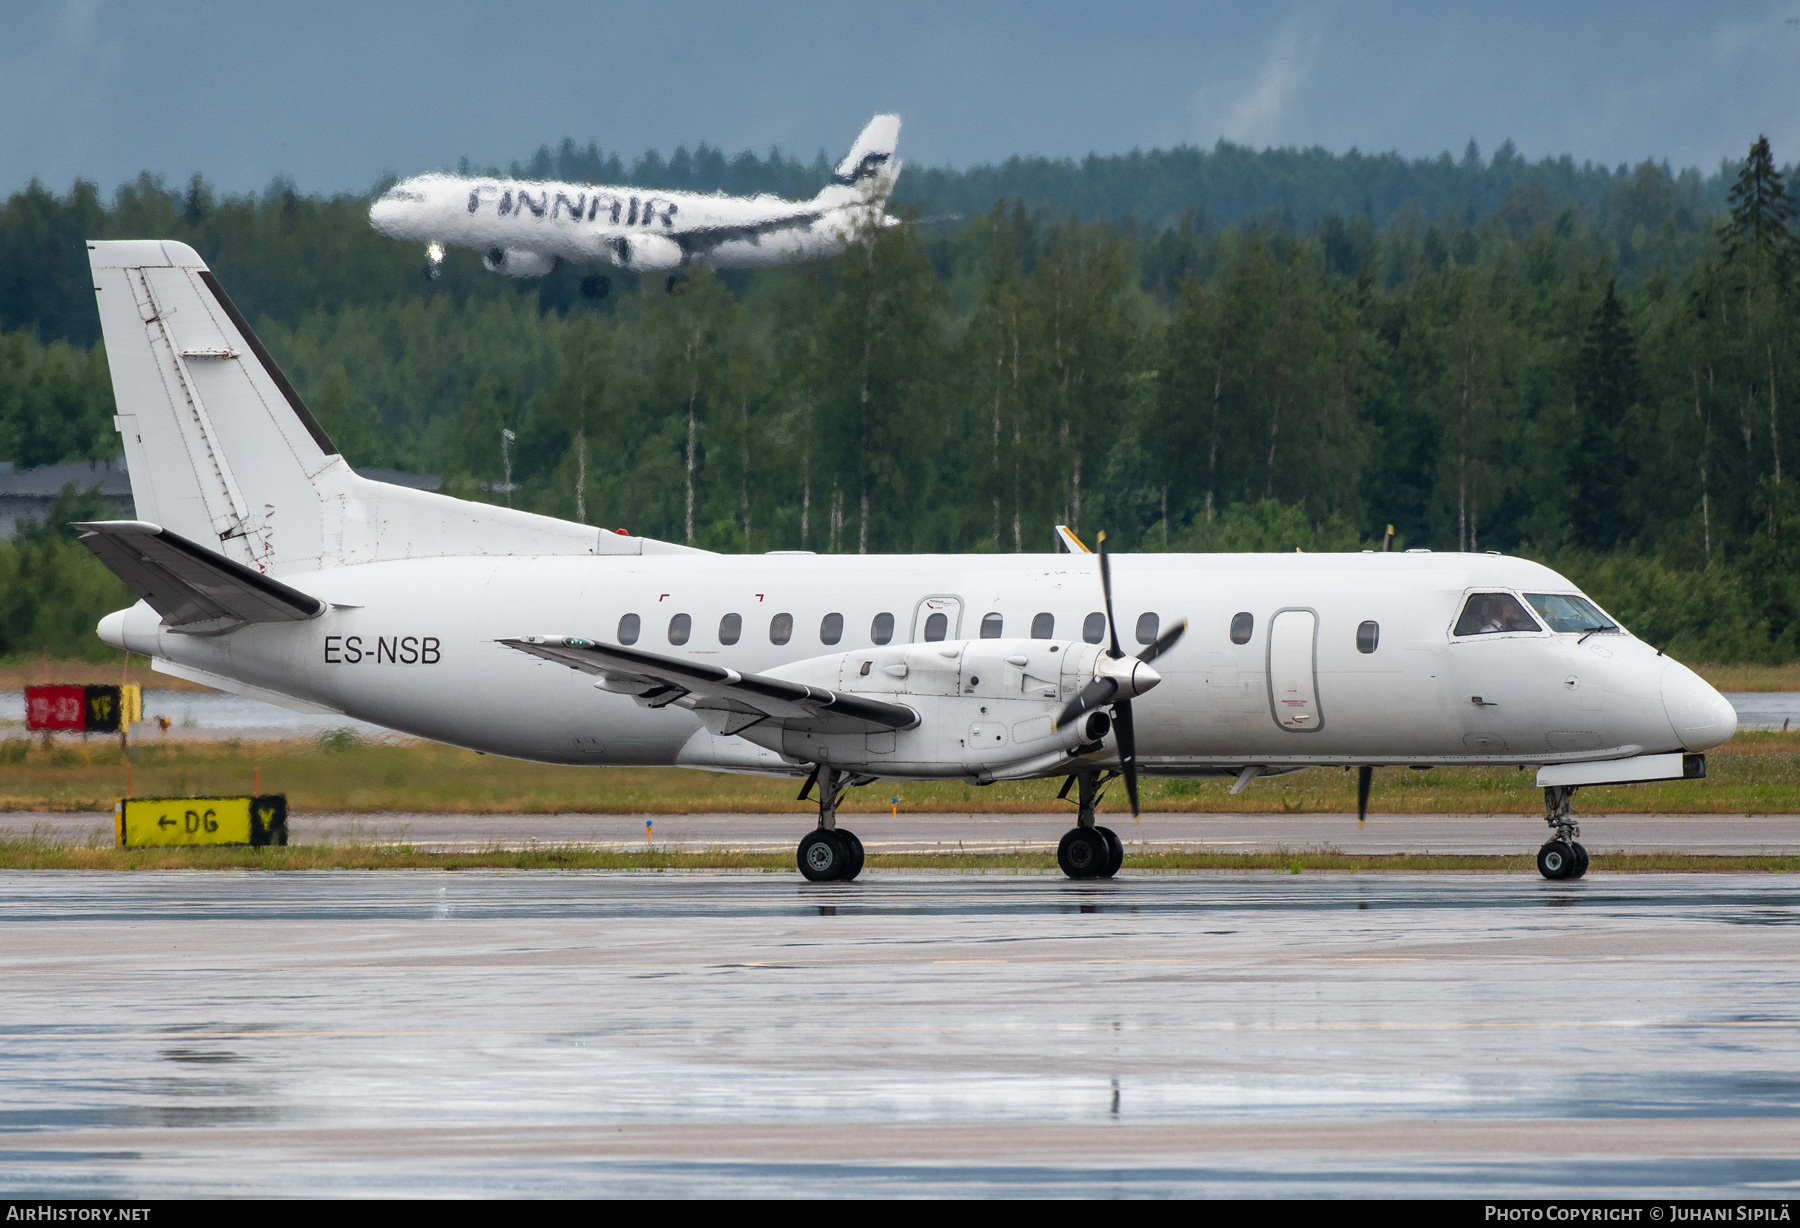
1562, 857
829, 853
1088, 850
434, 262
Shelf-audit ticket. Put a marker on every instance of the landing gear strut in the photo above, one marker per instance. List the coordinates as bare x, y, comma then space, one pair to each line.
1088, 850
829, 853
1561, 857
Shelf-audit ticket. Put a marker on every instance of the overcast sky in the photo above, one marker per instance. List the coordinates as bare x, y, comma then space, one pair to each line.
333, 94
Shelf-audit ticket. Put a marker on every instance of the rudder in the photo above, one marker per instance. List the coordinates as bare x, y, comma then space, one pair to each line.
220, 447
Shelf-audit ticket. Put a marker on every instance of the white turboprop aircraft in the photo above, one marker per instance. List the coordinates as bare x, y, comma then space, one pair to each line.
268, 567
523, 227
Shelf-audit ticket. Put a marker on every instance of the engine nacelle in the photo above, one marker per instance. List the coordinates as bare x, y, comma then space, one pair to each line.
517, 262
986, 709
645, 253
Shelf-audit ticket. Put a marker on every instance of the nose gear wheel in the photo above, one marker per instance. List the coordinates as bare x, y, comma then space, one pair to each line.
1562, 857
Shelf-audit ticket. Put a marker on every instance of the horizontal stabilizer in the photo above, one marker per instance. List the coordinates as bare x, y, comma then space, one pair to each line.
193, 588
658, 681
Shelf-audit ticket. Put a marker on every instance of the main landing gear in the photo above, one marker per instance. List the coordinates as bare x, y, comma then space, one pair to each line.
1088, 850
1561, 857
829, 853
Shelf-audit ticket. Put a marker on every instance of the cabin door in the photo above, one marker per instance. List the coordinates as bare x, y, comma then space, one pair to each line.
1294, 670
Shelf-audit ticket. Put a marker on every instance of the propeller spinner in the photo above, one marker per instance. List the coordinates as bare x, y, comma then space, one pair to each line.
1117, 680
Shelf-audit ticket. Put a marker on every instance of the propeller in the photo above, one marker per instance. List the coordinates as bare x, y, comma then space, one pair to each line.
1117, 679
1365, 776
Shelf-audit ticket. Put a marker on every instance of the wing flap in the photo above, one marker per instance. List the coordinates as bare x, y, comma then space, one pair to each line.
657, 681
193, 588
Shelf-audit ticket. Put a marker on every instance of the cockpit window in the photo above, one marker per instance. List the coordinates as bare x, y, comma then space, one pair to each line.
1567, 612
1489, 613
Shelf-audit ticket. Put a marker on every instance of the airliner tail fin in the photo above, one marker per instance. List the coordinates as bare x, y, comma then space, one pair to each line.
869, 171
225, 456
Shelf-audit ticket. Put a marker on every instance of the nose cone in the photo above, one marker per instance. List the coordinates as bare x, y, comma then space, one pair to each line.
383, 214
1702, 717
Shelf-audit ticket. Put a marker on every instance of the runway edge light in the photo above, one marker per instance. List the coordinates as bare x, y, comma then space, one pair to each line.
167, 822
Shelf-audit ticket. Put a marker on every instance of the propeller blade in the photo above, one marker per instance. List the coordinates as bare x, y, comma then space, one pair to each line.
1163, 643
1112, 625
1127, 736
1365, 776
1096, 694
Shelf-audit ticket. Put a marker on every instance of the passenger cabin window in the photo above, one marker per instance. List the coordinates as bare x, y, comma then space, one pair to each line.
881, 631
1241, 627
629, 626
831, 628
781, 628
731, 628
1146, 628
936, 627
1093, 628
680, 627
1568, 612
1491, 613
1368, 636
991, 626
1043, 627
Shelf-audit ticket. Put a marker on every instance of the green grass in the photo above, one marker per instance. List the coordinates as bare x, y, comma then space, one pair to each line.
38, 852
1757, 773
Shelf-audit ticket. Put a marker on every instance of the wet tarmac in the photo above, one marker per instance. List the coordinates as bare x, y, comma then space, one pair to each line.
708, 1034
1471, 835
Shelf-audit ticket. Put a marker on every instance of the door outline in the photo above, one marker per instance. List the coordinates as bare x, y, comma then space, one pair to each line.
1269, 668
955, 632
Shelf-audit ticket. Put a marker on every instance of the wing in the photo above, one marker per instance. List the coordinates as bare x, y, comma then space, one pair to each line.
705, 238
657, 681
193, 588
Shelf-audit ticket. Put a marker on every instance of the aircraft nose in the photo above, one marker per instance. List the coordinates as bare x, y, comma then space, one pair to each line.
383, 213
1702, 718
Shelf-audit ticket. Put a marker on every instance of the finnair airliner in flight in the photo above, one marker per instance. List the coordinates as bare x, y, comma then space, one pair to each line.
522, 228
270, 568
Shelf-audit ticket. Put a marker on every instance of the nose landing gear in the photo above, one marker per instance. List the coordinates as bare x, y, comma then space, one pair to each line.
829, 853
1562, 857
1088, 850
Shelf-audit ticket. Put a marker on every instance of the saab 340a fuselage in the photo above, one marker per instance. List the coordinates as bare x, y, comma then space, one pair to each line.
269, 567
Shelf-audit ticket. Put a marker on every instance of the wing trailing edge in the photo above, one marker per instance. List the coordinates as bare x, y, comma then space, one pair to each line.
745, 699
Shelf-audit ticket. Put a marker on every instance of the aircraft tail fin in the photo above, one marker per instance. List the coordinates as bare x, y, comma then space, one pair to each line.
224, 454
869, 171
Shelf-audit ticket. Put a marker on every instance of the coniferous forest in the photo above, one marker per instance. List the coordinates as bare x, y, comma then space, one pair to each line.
1193, 350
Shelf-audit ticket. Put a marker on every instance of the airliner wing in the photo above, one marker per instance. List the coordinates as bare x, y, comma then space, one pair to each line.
703, 237
657, 681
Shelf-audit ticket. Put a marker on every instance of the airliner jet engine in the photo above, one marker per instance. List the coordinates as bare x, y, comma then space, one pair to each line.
646, 253
517, 262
